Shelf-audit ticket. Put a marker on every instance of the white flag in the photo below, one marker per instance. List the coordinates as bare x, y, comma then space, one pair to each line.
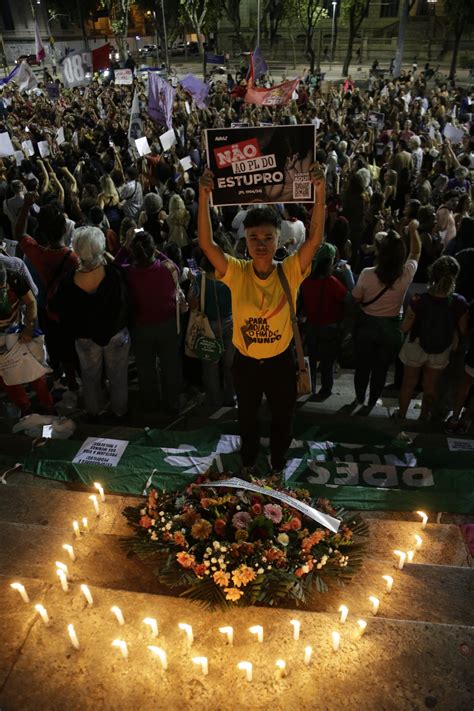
39, 49
135, 129
25, 77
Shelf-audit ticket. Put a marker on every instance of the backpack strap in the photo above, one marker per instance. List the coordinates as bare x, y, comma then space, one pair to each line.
294, 322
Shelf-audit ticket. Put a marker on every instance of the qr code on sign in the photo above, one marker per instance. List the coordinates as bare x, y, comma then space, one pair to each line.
302, 187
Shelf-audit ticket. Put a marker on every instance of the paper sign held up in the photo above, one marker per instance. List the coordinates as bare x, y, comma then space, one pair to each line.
168, 140
123, 76
453, 134
28, 148
19, 157
186, 163
43, 148
6, 146
60, 136
142, 146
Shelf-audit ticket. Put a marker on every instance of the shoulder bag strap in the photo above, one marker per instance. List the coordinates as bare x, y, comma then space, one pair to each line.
218, 313
376, 298
203, 291
294, 322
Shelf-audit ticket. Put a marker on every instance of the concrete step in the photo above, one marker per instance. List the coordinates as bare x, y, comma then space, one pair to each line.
395, 665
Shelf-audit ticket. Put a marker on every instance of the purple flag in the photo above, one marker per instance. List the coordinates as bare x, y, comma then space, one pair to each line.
198, 89
259, 64
160, 100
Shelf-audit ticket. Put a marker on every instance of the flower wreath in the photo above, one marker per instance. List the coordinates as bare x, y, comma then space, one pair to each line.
227, 547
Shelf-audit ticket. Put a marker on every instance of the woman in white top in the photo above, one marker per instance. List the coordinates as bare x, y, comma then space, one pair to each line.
380, 291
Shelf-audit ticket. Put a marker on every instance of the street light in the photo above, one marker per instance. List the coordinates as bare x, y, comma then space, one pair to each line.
334, 5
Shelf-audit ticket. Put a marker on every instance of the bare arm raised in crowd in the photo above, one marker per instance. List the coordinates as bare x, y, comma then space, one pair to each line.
415, 241
316, 228
212, 250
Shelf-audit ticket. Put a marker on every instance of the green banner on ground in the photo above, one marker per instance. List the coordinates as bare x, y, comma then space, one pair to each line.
359, 469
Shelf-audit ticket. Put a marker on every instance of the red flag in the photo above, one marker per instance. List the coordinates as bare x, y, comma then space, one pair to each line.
276, 96
101, 57
39, 49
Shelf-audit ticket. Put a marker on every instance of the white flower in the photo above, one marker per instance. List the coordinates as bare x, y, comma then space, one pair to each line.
238, 508
154, 536
183, 530
162, 513
269, 567
223, 549
206, 563
213, 560
330, 550
283, 539
168, 526
153, 521
319, 566
305, 569
143, 512
213, 567
216, 545
260, 571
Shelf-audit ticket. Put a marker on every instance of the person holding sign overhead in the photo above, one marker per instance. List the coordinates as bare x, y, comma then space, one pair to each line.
263, 331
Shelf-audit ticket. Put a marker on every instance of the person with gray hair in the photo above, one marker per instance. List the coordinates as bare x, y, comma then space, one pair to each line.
93, 308
151, 218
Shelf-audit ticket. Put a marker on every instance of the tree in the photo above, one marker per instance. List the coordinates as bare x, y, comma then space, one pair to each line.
459, 13
353, 13
274, 12
197, 12
309, 14
118, 19
232, 10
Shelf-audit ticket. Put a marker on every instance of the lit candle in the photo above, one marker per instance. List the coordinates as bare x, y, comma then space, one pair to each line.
344, 612
410, 556
70, 550
336, 638
21, 590
122, 646
424, 519
87, 594
308, 653
229, 631
42, 613
161, 654
258, 630
204, 665
63, 579
100, 490
73, 636
153, 625
76, 529
375, 604
281, 668
189, 631
248, 668
362, 624
402, 556
389, 580
296, 629
418, 542
118, 614
93, 498
63, 567
85, 524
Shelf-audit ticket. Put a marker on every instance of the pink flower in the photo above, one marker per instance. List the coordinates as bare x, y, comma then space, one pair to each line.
241, 519
273, 512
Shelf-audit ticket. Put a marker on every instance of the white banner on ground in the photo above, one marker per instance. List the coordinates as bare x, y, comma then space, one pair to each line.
101, 451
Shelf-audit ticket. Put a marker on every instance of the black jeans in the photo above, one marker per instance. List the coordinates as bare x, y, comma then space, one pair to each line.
276, 378
323, 344
375, 349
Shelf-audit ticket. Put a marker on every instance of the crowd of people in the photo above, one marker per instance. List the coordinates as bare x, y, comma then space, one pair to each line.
107, 254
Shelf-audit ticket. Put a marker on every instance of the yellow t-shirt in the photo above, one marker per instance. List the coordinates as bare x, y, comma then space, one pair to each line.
260, 311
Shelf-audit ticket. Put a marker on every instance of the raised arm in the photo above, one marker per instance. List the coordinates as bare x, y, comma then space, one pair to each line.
212, 250
316, 228
415, 241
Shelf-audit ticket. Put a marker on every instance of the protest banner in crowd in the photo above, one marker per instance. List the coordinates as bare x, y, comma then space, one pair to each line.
276, 96
375, 119
123, 77
77, 69
261, 165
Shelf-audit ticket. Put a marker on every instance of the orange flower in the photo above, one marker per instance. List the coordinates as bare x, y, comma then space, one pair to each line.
310, 541
233, 594
201, 529
180, 540
221, 578
220, 526
145, 522
185, 560
295, 524
243, 576
299, 572
199, 570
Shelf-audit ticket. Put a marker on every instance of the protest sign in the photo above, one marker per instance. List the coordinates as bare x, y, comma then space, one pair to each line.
453, 134
6, 146
19, 365
19, 156
43, 148
261, 165
28, 148
53, 91
460, 445
60, 136
375, 119
123, 77
142, 146
168, 140
135, 127
102, 451
77, 69
186, 163
187, 107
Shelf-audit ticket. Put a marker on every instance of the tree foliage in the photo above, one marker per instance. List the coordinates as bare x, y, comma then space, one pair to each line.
118, 18
309, 13
353, 14
459, 14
